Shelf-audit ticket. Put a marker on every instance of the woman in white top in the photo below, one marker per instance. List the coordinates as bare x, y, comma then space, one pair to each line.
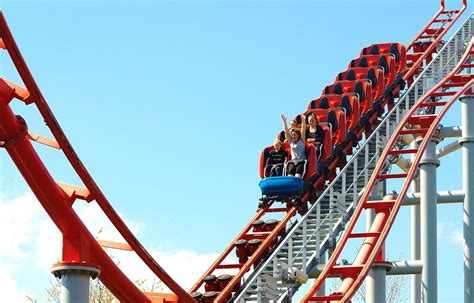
296, 138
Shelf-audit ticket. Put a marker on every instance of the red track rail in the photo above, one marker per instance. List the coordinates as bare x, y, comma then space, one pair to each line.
453, 86
411, 71
332, 164
269, 239
445, 19
79, 244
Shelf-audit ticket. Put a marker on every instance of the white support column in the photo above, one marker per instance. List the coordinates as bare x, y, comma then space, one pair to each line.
415, 293
447, 149
450, 132
409, 267
75, 278
322, 289
428, 221
467, 143
444, 197
375, 282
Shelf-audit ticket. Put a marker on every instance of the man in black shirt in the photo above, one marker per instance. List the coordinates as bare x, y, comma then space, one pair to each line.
275, 160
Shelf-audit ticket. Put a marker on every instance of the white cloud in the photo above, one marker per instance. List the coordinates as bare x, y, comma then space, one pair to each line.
447, 231
48, 245
457, 237
18, 218
186, 267
443, 229
18, 222
9, 289
36, 241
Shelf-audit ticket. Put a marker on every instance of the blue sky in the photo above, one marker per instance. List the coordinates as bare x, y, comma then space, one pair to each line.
169, 104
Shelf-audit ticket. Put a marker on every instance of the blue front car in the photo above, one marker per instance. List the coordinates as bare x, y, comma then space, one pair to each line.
286, 186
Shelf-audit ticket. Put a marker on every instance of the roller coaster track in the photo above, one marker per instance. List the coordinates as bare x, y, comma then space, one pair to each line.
325, 218
57, 198
317, 230
424, 126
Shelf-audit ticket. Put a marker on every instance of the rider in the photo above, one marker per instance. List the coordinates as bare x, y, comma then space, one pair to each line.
275, 160
297, 146
315, 134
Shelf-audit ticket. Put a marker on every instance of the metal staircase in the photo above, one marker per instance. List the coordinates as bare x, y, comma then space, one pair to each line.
316, 232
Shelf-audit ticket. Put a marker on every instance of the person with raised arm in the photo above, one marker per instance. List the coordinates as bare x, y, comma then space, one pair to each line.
293, 125
296, 138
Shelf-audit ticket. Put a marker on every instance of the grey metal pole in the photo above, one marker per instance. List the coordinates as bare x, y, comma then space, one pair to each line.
415, 293
444, 197
398, 268
445, 150
75, 280
322, 289
467, 143
376, 280
375, 283
412, 267
428, 228
450, 132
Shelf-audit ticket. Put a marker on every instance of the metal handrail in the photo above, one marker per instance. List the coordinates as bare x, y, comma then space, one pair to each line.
387, 120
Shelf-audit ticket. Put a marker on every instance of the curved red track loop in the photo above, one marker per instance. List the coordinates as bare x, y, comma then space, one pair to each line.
37, 98
354, 274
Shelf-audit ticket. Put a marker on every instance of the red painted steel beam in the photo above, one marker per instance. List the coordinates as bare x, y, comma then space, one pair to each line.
418, 63
410, 72
386, 228
55, 202
268, 240
431, 21
384, 219
264, 247
227, 250
36, 96
367, 247
333, 163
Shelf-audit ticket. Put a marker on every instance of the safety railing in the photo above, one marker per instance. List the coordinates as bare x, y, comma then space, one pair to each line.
317, 230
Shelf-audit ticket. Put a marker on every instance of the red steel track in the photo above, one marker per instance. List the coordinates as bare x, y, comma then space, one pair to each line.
454, 86
444, 20
57, 199
419, 53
